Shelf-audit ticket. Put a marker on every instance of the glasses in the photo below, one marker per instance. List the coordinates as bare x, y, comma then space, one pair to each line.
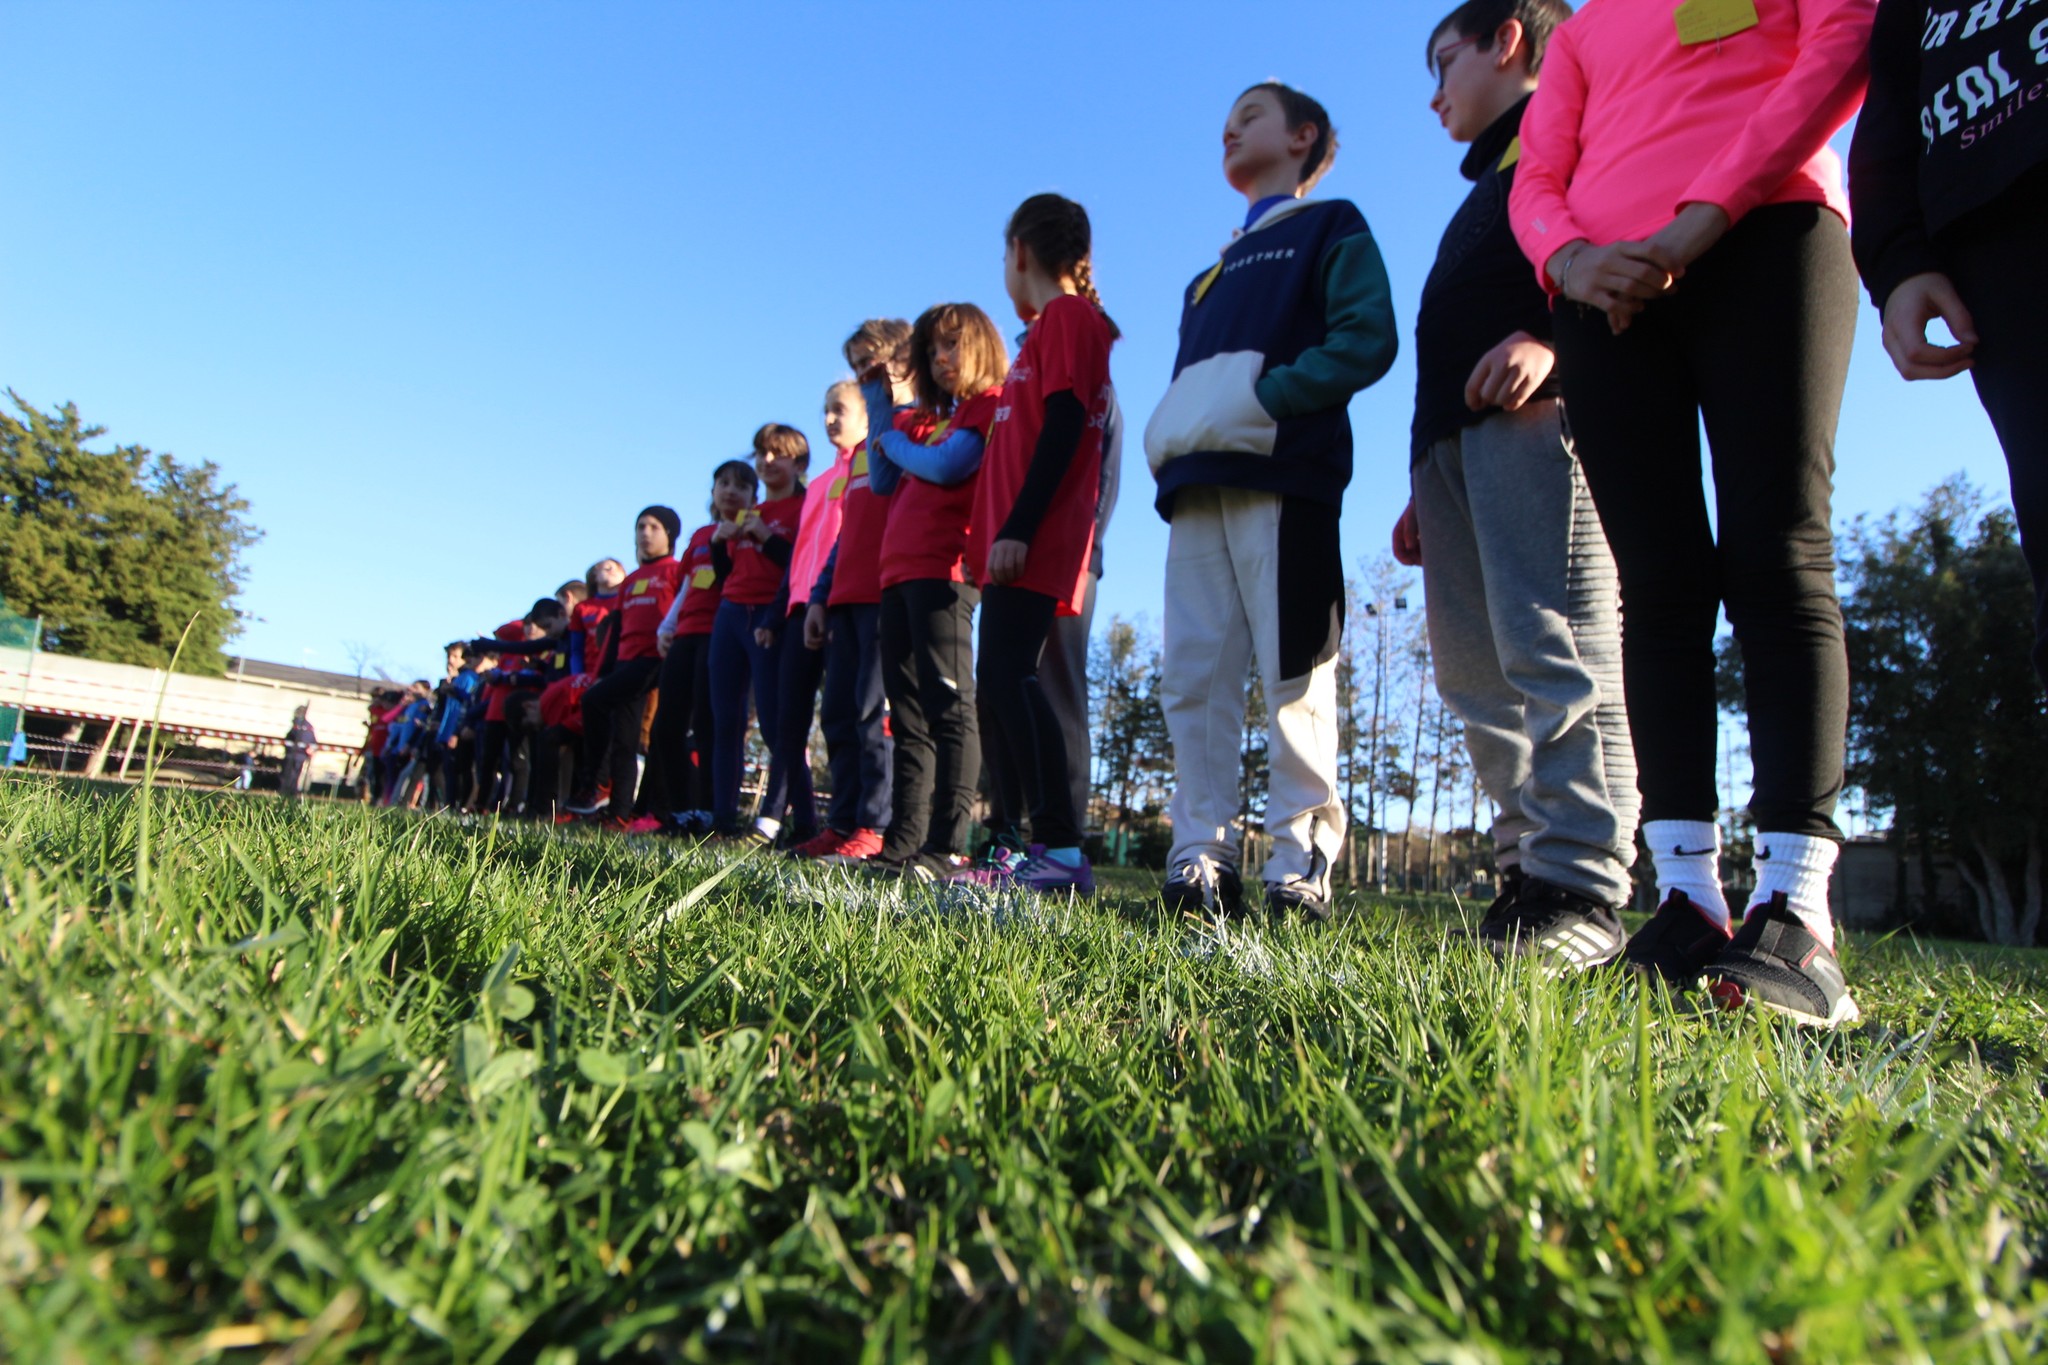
1442, 59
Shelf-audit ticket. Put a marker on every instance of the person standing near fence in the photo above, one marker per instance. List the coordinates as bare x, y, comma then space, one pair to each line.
299, 743
1678, 199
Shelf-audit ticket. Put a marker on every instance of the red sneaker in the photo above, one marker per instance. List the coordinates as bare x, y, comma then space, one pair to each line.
646, 824
824, 844
860, 846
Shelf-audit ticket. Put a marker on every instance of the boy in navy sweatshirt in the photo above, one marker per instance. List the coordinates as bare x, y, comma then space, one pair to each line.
1251, 448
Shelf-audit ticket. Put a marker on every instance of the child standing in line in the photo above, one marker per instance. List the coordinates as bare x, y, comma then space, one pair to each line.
803, 663
1677, 189
1948, 225
682, 721
926, 459
844, 620
612, 706
752, 554
1251, 448
1524, 618
1033, 526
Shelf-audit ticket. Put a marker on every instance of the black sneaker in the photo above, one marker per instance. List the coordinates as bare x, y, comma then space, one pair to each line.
1568, 931
1675, 945
1297, 898
1776, 963
1511, 883
1203, 886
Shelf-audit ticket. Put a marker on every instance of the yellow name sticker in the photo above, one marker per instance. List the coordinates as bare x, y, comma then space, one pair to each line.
1510, 156
836, 491
860, 463
703, 578
1709, 21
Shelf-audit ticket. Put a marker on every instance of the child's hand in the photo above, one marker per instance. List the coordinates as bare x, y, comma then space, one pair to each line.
1006, 561
1408, 537
756, 530
725, 530
1618, 279
814, 626
764, 637
1507, 376
1917, 301
663, 641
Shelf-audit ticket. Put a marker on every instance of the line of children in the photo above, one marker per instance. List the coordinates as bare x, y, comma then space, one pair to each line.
1667, 177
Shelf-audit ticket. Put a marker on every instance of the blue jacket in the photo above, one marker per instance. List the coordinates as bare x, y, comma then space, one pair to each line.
1274, 340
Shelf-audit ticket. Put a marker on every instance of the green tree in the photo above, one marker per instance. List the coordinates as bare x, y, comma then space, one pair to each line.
1132, 752
117, 551
1947, 725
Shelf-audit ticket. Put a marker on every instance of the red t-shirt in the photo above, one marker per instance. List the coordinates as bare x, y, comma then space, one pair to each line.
1067, 348
701, 588
927, 530
587, 619
755, 578
644, 599
857, 577
561, 702
496, 692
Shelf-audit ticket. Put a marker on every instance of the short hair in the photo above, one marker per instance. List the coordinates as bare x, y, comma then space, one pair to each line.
1299, 108
546, 612
575, 587
786, 442
1481, 19
881, 336
839, 386
984, 360
456, 646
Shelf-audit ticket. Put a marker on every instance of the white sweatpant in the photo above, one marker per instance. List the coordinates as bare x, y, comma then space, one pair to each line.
1222, 611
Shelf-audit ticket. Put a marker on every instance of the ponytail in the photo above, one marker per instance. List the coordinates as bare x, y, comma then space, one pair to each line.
1057, 231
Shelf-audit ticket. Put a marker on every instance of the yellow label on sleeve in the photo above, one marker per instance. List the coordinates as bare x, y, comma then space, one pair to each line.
703, 578
1709, 21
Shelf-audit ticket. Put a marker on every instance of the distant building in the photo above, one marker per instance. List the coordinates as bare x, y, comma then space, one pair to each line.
102, 713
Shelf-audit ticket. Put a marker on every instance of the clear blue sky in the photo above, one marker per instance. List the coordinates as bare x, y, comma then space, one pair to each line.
452, 290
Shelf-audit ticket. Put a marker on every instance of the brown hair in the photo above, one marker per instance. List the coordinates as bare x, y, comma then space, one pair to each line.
575, 587
883, 337
1482, 19
984, 360
1299, 108
1056, 229
590, 574
784, 441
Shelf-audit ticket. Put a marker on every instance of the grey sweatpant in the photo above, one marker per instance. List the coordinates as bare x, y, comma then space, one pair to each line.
1524, 622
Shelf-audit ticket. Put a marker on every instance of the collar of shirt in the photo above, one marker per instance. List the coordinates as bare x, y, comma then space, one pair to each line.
1488, 148
1258, 210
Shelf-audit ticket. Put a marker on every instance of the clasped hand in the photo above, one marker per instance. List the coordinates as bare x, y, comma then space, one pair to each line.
1621, 277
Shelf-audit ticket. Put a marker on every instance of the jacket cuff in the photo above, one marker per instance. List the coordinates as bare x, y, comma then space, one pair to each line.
1900, 262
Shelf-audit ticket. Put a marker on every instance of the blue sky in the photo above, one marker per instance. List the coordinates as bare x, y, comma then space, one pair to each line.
450, 291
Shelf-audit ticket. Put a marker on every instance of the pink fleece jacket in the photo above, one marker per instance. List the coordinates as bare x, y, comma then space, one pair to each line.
818, 532
1628, 126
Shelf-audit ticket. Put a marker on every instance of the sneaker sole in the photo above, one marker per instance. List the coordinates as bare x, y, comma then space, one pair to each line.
1730, 997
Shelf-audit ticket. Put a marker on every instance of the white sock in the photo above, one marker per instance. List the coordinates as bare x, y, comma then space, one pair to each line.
1799, 866
1688, 858
768, 825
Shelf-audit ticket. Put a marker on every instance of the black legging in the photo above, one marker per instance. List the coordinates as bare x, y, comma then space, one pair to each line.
800, 671
1021, 739
682, 725
927, 642
1755, 341
1994, 256
612, 707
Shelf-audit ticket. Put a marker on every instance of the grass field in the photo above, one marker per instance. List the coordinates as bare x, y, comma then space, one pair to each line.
310, 1083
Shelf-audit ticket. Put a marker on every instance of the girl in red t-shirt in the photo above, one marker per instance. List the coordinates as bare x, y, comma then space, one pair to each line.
1034, 521
679, 751
932, 455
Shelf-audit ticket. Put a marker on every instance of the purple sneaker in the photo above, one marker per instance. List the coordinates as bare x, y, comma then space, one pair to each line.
996, 867
1049, 876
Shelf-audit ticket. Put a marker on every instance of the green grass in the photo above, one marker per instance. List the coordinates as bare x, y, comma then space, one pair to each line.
318, 1084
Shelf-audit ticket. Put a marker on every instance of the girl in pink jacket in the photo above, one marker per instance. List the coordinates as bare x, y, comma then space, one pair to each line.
1675, 188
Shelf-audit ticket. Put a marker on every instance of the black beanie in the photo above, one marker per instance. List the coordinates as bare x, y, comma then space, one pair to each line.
667, 517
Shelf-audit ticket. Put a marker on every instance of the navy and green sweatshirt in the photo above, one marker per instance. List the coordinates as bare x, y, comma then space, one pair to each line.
1274, 340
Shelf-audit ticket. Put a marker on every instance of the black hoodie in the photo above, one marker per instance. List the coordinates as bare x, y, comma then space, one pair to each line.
1957, 112
1480, 291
